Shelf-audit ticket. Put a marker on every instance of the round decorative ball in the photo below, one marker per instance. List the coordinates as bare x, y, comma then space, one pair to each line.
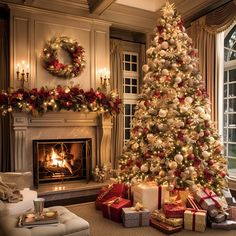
145, 68
144, 168
173, 165
205, 154
165, 45
162, 173
162, 113
188, 100
165, 72
179, 158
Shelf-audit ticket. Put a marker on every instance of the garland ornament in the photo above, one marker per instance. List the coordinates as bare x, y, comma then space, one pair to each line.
54, 66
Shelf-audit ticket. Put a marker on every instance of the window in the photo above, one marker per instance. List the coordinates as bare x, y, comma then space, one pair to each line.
229, 96
130, 88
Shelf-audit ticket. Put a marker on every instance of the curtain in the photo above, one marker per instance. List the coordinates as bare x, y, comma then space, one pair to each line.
5, 164
204, 34
117, 84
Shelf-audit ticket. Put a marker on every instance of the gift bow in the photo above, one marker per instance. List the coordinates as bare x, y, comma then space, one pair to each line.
210, 194
138, 207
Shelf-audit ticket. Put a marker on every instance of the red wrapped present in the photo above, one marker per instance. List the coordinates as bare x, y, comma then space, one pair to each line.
192, 203
232, 213
112, 208
174, 210
113, 190
167, 229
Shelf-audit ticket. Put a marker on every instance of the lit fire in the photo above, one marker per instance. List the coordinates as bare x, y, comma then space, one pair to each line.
57, 160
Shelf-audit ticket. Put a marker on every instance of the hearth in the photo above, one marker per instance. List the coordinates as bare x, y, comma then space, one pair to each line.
61, 160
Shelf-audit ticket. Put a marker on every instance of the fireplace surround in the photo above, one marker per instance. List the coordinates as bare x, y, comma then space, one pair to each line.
61, 125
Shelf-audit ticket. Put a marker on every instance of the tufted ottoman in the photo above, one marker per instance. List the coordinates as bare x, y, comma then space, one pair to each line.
69, 225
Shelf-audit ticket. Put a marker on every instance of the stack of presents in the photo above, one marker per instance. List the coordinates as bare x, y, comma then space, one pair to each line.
168, 211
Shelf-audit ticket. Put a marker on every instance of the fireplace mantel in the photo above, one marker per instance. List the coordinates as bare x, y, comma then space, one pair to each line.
59, 125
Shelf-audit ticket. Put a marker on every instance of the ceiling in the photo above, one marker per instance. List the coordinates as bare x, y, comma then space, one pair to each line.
135, 15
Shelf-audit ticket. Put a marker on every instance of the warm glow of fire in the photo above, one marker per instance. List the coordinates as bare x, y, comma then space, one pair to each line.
56, 159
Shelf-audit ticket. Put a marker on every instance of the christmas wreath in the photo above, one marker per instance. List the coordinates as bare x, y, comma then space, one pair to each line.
54, 66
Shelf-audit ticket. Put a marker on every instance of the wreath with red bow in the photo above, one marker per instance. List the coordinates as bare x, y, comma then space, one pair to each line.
52, 64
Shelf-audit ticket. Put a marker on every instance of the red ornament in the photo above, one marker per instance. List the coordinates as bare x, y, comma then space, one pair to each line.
207, 124
191, 156
207, 133
210, 162
218, 150
223, 174
161, 154
189, 121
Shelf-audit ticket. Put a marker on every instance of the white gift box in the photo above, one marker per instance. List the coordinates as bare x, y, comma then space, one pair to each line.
150, 195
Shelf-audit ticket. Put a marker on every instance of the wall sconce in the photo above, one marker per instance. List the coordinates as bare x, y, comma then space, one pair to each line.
104, 76
22, 73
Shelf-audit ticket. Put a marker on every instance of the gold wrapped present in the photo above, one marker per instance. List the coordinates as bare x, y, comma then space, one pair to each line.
160, 216
195, 220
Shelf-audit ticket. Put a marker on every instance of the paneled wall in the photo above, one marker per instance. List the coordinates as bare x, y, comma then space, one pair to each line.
31, 28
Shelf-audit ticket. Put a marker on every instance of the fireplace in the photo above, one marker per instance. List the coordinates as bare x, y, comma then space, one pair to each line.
61, 159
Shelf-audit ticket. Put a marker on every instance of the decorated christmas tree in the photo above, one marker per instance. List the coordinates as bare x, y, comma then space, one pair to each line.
173, 138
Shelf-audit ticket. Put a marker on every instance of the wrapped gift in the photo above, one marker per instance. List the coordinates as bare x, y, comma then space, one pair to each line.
207, 199
113, 190
133, 218
181, 194
227, 195
212, 212
174, 210
195, 220
232, 213
219, 218
151, 195
192, 203
112, 208
160, 216
227, 225
167, 229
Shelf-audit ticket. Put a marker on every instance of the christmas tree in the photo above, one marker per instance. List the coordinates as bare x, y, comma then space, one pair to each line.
173, 138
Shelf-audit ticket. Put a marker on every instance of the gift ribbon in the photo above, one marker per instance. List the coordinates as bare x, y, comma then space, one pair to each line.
194, 216
159, 196
114, 201
210, 195
109, 188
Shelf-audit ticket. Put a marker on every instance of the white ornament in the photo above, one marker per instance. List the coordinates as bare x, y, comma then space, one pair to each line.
173, 165
135, 168
174, 65
162, 113
165, 72
188, 100
165, 45
178, 158
162, 53
172, 41
144, 168
205, 154
199, 110
191, 169
145, 68
178, 80
150, 50
135, 146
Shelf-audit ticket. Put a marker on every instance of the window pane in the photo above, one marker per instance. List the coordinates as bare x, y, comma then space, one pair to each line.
133, 109
225, 105
225, 90
127, 57
232, 105
232, 150
232, 89
127, 122
225, 76
232, 75
225, 135
226, 51
134, 89
232, 135
127, 80
232, 55
127, 66
225, 121
134, 58
134, 81
127, 109
232, 119
225, 149
127, 89
232, 163
127, 134
134, 67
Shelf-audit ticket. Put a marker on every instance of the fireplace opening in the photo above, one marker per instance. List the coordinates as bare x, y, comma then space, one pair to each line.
59, 160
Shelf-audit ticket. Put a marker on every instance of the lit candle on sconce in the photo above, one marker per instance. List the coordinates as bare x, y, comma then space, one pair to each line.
104, 76
21, 74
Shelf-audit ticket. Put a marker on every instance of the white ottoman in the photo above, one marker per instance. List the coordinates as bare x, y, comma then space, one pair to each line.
69, 225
